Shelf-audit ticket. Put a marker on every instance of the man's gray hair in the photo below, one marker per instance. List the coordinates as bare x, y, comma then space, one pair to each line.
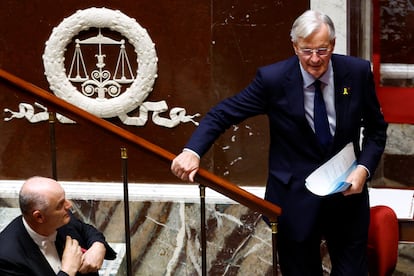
309, 22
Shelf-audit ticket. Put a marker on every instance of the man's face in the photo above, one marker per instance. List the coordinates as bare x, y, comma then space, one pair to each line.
315, 62
57, 214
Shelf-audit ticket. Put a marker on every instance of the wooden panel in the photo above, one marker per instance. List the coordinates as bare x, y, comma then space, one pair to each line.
206, 50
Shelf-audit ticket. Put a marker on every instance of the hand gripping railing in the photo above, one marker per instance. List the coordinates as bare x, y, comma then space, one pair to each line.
204, 177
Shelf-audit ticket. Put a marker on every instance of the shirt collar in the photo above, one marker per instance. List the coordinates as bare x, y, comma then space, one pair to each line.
308, 79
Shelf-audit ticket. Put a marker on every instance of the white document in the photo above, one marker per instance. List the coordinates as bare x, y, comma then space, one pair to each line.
330, 177
400, 200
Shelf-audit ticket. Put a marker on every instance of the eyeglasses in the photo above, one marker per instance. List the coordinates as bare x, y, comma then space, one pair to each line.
319, 51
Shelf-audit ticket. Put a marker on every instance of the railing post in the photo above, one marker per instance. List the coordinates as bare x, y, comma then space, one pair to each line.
52, 143
124, 157
273, 225
203, 230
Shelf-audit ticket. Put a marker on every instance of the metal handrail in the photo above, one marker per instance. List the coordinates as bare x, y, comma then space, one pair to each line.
204, 177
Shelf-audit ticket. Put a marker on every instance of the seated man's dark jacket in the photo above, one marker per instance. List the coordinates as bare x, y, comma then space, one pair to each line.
20, 255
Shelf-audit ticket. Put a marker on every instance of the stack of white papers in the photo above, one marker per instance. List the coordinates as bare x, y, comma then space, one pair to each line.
330, 177
400, 200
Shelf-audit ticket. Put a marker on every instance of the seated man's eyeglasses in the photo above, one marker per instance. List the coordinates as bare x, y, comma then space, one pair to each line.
319, 51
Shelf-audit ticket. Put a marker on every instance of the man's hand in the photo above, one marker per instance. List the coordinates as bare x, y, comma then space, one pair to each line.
93, 258
185, 166
357, 178
72, 256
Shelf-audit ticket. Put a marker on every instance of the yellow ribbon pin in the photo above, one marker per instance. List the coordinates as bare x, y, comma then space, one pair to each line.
346, 91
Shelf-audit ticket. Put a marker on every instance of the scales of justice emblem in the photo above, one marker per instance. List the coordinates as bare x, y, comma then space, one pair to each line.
101, 92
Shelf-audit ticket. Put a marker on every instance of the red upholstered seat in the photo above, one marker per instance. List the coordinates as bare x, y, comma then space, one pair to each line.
382, 241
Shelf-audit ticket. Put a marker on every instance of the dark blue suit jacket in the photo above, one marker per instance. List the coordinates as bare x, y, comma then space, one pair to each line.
20, 255
277, 91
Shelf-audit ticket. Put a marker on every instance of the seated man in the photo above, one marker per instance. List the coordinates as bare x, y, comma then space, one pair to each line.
76, 248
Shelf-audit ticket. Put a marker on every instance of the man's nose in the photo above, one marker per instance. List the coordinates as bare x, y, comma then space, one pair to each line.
315, 56
68, 204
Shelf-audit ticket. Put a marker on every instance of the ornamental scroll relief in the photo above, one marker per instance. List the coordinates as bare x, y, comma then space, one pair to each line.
100, 91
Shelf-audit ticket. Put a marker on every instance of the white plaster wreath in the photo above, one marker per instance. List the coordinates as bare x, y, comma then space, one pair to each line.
53, 59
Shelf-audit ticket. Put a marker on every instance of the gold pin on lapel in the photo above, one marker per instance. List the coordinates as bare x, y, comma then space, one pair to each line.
346, 91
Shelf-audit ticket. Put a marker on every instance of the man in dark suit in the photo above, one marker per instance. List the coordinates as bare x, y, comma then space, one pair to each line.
47, 239
287, 93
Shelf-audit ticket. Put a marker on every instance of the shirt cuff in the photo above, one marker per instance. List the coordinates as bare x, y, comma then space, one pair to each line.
190, 150
359, 165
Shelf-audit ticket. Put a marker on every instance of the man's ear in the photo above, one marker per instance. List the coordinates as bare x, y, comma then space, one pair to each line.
38, 216
295, 48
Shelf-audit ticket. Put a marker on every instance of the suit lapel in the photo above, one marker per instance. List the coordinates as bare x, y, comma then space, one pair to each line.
295, 96
35, 258
294, 91
39, 263
342, 92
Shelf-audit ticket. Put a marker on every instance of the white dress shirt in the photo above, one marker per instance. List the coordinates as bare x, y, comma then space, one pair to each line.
327, 86
46, 246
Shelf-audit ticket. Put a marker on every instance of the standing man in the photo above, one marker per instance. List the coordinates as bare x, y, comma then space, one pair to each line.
303, 135
47, 239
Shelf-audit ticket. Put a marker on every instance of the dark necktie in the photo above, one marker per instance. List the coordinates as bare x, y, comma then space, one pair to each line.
320, 117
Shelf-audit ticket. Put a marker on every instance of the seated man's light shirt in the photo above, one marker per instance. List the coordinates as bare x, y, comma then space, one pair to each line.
46, 246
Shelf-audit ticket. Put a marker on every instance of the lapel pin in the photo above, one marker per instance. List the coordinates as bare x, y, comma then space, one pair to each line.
346, 91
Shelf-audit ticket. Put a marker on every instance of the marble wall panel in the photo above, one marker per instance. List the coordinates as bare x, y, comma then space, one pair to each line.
398, 159
165, 237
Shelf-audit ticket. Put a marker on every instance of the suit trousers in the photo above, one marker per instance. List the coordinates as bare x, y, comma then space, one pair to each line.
343, 222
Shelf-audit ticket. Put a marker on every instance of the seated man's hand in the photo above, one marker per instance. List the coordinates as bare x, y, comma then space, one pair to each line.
93, 258
72, 257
